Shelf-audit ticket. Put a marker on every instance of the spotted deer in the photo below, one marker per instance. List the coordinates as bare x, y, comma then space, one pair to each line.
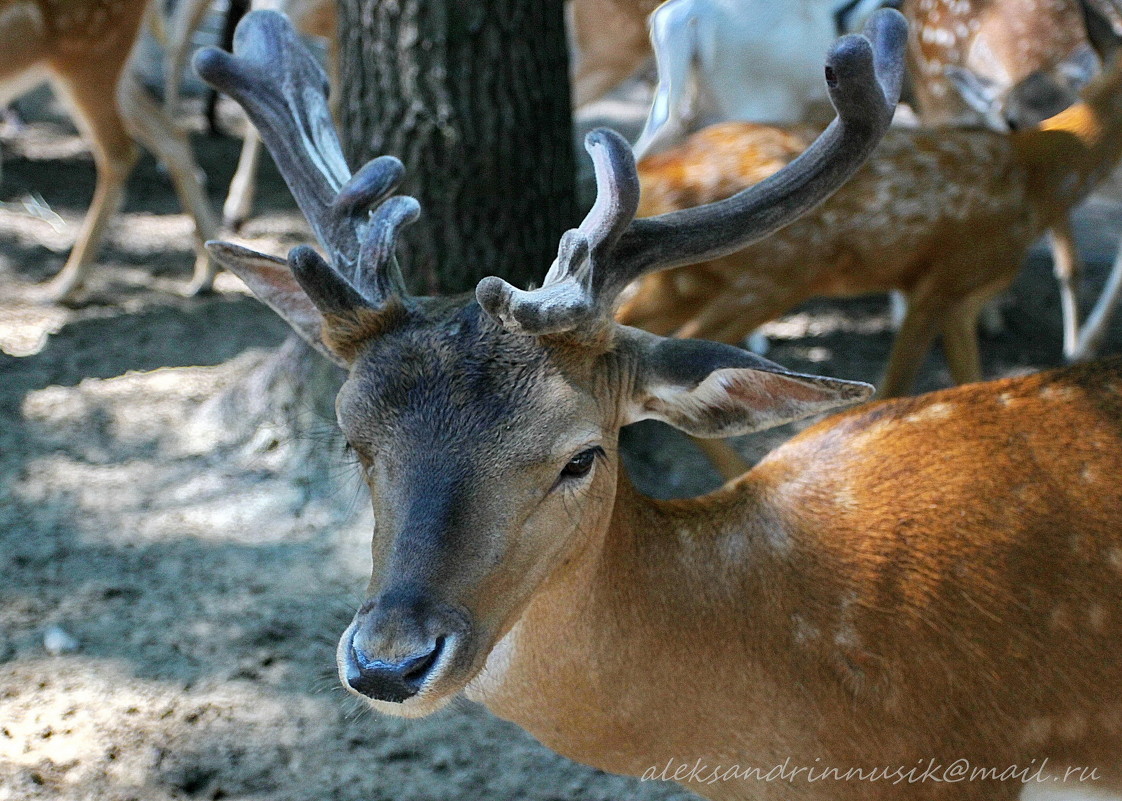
935, 579
945, 216
83, 47
1001, 42
1007, 64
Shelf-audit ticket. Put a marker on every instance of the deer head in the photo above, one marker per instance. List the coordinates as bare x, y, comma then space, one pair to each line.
486, 425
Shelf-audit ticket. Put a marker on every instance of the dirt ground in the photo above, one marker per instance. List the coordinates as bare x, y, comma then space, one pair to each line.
192, 584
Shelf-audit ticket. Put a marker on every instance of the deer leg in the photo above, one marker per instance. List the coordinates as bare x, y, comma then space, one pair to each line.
87, 87
673, 37
911, 345
1067, 266
960, 339
1094, 329
186, 18
156, 130
239, 200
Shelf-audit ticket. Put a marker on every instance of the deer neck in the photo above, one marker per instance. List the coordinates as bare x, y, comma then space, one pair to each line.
1068, 154
681, 594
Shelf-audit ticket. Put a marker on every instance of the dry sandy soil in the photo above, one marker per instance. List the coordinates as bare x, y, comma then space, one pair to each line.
202, 577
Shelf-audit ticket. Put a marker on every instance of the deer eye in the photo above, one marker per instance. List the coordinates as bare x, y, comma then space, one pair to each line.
580, 465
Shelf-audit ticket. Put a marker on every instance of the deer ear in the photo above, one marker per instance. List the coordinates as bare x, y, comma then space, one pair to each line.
708, 389
271, 280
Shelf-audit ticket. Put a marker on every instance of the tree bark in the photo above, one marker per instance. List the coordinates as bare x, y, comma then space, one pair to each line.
474, 98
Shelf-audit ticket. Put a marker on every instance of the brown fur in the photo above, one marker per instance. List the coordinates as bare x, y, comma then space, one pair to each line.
915, 580
611, 43
346, 334
1003, 40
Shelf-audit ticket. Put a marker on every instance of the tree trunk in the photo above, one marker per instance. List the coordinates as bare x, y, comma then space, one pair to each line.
474, 98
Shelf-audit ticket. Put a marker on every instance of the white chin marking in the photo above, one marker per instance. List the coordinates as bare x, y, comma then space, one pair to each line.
416, 707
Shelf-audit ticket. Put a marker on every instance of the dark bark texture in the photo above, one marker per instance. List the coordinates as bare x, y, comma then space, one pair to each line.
473, 96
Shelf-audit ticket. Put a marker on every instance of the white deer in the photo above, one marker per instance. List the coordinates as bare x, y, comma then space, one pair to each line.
751, 60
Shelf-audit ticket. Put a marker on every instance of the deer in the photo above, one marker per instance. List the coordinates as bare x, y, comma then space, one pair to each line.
924, 579
743, 60
945, 216
1008, 65
83, 47
998, 44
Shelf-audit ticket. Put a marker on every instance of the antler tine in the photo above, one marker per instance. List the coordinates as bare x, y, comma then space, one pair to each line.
575, 289
596, 261
378, 267
283, 89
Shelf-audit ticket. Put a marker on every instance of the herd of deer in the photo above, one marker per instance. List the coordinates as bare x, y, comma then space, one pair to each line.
924, 590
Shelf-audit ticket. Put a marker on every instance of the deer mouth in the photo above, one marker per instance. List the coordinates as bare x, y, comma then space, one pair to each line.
406, 679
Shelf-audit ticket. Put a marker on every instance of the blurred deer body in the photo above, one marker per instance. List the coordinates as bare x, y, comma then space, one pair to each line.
1007, 65
945, 216
930, 579
1002, 42
610, 42
83, 47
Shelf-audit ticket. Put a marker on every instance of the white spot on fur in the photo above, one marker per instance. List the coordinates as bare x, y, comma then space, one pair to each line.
933, 411
1037, 731
847, 637
1058, 619
1053, 392
733, 546
803, 631
1096, 618
1114, 559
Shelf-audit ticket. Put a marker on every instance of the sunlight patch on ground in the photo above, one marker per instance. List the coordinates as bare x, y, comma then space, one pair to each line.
64, 720
156, 485
24, 330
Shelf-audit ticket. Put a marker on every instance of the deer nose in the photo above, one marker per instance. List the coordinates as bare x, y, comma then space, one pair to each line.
394, 681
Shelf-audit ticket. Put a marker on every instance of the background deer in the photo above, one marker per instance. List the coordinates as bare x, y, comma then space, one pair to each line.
945, 216
1008, 64
610, 41
1000, 43
906, 582
83, 46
